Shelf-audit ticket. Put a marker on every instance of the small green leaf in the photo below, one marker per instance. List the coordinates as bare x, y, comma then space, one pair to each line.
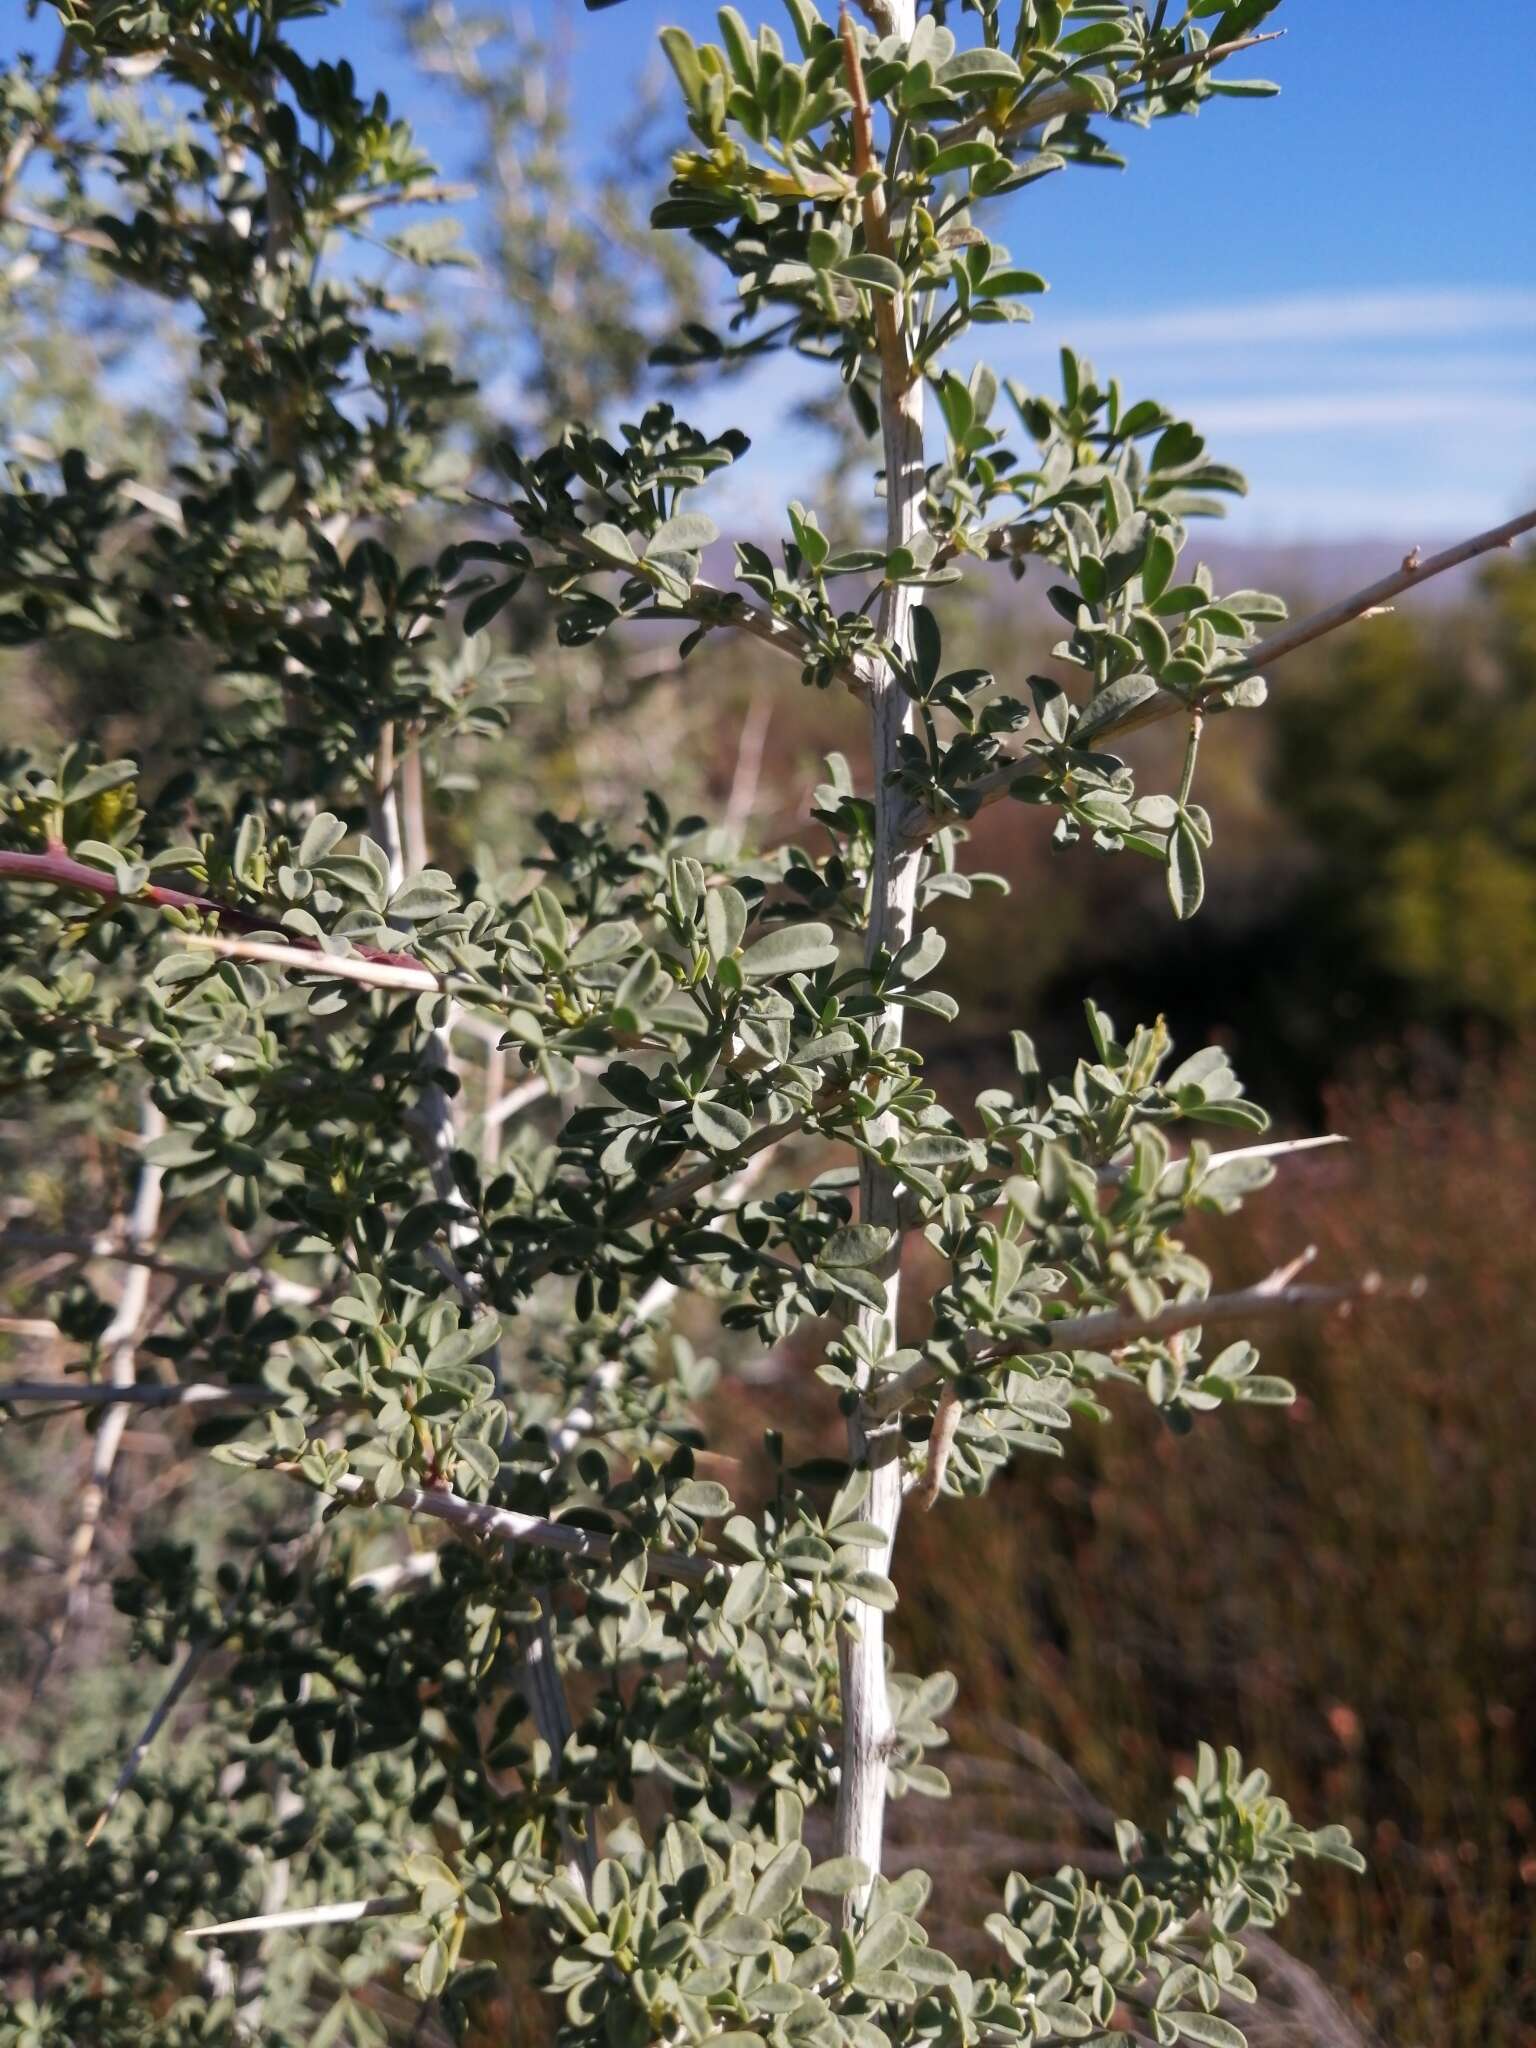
720, 1127
705, 1499
875, 273
979, 71
1157, 568
1209, 2029
687, 534
725, 919
791, 949
861, 1244
611, 542
1186, 874
746, 1593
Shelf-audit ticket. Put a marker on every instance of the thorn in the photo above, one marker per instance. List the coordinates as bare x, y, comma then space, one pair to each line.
1412, 560
1281, 1278
946, 1421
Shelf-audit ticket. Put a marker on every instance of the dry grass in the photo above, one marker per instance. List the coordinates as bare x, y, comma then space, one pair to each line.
1347, 1590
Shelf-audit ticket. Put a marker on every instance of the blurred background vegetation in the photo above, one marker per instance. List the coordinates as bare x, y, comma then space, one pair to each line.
1367, 951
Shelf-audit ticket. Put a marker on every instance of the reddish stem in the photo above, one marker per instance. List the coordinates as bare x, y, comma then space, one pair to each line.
60, 870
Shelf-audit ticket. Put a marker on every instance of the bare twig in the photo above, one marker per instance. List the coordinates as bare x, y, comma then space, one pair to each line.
431, 192
1110, 1329
89, 1394
114, 1249
307, 1916
1412, 571
105, 1246
748, 771
58, 869
534, 1089
506, 1526
165, 1706
577, 1421
385, 1579
31, 133
919, 822
75, 232
946, 1421
515, 1101
1276, 1148
294, 959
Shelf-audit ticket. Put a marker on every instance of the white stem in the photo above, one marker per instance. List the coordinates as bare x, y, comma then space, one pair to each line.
1274, 1148
306, 1916
310, 960
897, 865
119, 1342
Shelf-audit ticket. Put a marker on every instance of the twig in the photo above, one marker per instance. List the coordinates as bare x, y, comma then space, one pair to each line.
58, 869
707, 604
880, 13
186, 1671
1276, 1148
434, 192
1412, 571
514, 1101
920, 822
748, 771
118, 1342
506, 1526
577, 1421
62, 230
306, 1916
385, 1579
946, 1421
526, 1093
294, 959
30, 134
1109, 1329
105, 1246
89, 1394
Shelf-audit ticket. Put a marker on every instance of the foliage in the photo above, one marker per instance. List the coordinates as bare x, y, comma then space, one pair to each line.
1423, 827
623, 1693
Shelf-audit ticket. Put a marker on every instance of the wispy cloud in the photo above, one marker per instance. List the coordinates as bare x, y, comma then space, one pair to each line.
1410, 409
1407, 414
1306, 412
1303, 318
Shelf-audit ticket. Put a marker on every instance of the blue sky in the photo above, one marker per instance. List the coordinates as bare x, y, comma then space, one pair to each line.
1338, 285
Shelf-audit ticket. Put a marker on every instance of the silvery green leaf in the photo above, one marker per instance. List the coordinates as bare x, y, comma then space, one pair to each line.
790, 949
1186, 874
838, 1876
